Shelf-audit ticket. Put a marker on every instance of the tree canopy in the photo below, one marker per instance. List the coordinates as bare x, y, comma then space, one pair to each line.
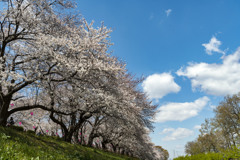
57, 76
222, 131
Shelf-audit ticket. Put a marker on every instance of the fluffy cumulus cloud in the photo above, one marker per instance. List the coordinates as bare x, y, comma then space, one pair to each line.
176, 134
215, 79
197, 127
167, 130
158, 85
180, 111
168, 11
213, 46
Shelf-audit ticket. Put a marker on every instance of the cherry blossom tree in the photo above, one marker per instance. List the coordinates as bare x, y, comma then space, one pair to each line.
22, 24
56, 74
31, 28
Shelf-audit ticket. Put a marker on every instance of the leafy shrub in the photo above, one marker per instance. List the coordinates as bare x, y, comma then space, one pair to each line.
4, 136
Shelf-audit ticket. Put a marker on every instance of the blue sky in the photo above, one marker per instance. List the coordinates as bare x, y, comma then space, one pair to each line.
187, 50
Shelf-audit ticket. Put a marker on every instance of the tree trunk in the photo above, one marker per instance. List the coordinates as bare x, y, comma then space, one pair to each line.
4, 105
92, 135
114, 147
122, 151
76, 138
68, 136
90, 140
104, 147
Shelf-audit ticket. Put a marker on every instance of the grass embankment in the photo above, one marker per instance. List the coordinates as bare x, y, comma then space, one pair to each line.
19, 145
233, 154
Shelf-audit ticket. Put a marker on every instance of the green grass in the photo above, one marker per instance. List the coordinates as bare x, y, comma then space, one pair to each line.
19, 145
234, 153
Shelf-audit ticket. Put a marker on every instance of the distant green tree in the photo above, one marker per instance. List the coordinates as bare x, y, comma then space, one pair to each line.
227, 119
221, 132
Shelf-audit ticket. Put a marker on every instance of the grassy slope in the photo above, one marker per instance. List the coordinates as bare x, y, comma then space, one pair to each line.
233, 154
22, 145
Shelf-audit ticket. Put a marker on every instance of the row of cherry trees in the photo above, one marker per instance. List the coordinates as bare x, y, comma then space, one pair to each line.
56, 76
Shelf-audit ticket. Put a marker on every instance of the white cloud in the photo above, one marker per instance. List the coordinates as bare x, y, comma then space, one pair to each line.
180, 111
197, 127
215, 79
158, 85
213, 46
213, 106
177, 134
167, 130
168, 11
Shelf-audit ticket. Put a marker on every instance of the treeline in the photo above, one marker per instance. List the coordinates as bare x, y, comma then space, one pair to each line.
220, 136
57, 77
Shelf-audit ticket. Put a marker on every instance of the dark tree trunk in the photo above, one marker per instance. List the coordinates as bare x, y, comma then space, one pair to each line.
121, 151
104, 147
4, 105
90, 140
114, 147
70, 132
76, 137
68, 137
97, 146
92, 135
